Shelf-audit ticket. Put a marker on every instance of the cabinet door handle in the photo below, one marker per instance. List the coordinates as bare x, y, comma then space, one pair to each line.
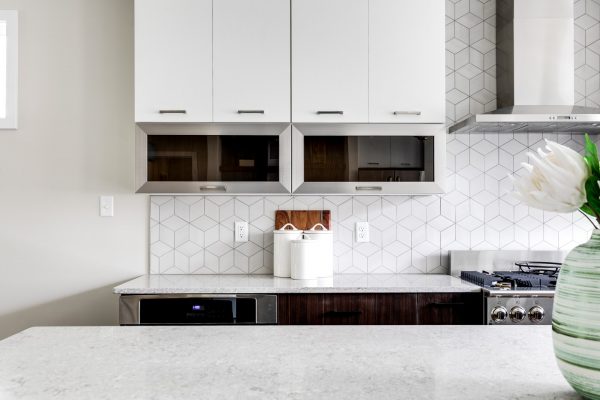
407, 112
251, 111
172, 111
342, 313
330, 112
369, 188
373, 163
213, 188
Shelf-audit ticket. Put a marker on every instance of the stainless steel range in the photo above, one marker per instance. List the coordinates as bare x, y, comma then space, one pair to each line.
518, 286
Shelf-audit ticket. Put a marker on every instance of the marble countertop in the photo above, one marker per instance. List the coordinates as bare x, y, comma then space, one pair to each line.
282, 362
346, 283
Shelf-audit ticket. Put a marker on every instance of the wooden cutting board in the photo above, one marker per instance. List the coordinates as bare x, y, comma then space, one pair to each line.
302, 219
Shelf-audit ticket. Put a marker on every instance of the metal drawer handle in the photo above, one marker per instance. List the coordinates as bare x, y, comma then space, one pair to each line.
372, 188
342, 313
213, 188
172, 111
251, 111
330, 112
407, 112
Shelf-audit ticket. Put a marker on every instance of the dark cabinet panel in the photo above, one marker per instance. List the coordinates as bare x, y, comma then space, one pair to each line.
450, 308
300, 309
347, 309
381, 309
396, 309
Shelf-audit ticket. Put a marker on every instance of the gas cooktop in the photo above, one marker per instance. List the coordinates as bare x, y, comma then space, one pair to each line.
530, 276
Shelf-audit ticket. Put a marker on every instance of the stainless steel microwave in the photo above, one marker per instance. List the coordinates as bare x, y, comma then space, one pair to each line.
213, 158
368, 158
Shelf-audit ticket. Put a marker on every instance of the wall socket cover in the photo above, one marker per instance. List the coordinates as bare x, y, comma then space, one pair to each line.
241, 231
362, 232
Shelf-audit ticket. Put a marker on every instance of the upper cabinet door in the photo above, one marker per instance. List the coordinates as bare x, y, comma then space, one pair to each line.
251, 60
406, 46
173, 60
330, 65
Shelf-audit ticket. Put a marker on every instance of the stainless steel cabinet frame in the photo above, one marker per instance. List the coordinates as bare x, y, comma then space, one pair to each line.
434, 162
195, 185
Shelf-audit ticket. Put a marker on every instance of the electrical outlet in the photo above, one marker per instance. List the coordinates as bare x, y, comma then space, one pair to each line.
241, 231
362, 232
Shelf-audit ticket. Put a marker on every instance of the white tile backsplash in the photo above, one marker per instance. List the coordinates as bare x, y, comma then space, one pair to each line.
194, 234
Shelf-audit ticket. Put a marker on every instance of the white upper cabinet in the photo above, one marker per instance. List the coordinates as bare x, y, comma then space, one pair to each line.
251, 60
330, 60
406, 61
173, 60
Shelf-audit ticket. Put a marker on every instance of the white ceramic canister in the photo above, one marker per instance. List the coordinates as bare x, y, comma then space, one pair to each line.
281, 249
304, 258
325, 239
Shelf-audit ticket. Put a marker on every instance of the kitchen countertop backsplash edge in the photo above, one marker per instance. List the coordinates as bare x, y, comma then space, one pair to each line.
341, 283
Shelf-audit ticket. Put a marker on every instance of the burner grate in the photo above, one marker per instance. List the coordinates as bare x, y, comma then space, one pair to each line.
511, 280
539, 267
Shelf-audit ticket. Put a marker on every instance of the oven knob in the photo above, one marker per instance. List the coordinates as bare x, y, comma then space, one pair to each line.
517, 314
536, 314
499, 314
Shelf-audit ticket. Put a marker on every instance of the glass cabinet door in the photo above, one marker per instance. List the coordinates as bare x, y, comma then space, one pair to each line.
368, 159
225, 158
210, 158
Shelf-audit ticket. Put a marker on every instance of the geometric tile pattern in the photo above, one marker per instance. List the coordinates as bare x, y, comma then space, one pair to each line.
409, 234
587, 53
470, 58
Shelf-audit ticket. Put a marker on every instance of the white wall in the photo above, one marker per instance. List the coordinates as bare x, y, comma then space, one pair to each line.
58, 258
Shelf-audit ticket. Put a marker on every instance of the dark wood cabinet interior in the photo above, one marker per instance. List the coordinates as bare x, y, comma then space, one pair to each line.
380, 309
225, 158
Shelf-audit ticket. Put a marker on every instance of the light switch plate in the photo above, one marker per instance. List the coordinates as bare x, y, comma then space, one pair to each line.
107, 208
362, 232
241, 231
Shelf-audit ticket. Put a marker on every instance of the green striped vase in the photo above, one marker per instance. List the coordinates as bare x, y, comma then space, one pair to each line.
576, 318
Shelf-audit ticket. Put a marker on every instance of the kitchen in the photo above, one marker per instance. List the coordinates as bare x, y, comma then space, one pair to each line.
189, 124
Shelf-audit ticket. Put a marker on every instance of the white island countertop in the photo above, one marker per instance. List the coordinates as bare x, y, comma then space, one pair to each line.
282, 362
343, 283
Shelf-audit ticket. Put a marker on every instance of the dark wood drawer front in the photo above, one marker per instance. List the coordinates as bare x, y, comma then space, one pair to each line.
450, 308
347, 309
300, 309
396, 309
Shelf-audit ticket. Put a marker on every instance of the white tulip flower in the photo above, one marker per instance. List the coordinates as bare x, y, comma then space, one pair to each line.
555, 180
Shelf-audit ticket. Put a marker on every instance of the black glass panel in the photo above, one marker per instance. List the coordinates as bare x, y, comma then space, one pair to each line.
213, 158
368, 159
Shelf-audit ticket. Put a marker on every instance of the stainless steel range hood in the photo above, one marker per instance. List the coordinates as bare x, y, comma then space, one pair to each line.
535, 60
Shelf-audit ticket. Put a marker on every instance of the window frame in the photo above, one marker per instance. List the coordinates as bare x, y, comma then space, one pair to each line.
12, 68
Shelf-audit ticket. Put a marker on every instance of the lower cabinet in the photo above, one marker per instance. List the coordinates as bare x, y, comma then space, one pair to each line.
380, 309
450, 308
